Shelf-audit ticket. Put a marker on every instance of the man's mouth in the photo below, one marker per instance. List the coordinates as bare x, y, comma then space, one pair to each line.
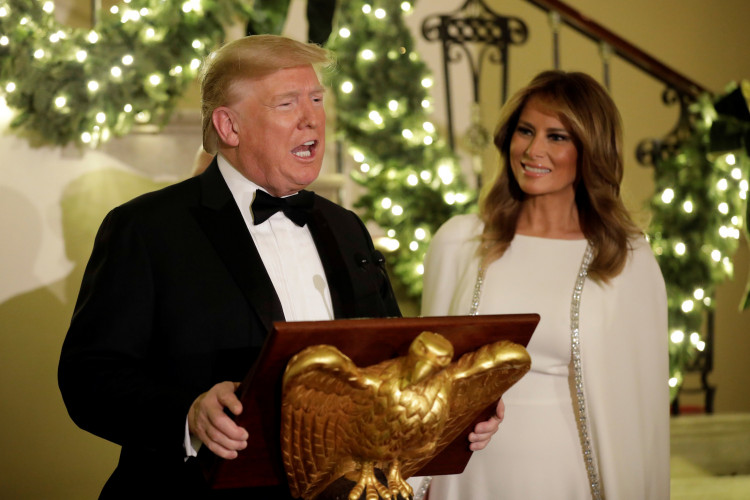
306, 150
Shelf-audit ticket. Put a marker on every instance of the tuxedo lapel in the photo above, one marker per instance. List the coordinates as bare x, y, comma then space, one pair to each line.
223, 224
337, 274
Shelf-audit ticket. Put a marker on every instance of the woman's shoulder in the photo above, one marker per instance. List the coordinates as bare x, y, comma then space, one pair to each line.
459, 229
641, 259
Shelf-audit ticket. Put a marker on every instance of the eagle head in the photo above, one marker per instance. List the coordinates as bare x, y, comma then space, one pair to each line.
429, 352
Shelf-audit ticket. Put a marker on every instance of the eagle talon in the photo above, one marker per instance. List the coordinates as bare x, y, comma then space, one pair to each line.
397, 483
369, 484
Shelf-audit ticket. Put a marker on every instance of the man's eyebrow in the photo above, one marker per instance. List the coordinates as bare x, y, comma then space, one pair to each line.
296, 93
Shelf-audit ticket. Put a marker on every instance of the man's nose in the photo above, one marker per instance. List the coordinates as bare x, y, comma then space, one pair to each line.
308, 116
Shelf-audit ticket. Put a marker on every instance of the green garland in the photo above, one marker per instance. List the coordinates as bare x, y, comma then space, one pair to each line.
85, 86
383, 106
699, 214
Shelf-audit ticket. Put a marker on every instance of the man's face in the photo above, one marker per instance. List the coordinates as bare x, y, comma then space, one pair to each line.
280, 122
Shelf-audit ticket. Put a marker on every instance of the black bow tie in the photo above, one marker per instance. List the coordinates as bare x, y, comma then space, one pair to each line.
296, 207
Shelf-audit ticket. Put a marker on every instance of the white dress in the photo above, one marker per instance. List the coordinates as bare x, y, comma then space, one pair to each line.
537, 454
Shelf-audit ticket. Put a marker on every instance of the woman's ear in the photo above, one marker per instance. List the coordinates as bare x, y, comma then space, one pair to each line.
225, 122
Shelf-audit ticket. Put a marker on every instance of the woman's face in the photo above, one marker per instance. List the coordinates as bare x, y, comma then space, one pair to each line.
543, 156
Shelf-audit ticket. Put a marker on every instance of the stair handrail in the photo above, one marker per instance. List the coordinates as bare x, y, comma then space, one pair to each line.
622, 47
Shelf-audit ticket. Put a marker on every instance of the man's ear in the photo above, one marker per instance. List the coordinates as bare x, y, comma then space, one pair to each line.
225, 123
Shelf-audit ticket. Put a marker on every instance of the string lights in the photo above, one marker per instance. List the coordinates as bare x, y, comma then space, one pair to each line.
699, 214
381, 86
85, 86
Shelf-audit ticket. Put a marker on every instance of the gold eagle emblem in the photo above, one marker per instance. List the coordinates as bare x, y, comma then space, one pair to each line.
341, 420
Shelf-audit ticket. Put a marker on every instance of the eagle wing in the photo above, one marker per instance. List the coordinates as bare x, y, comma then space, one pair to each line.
477, 379
322, 390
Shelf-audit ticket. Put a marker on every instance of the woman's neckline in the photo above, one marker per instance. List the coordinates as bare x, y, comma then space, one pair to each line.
550, 238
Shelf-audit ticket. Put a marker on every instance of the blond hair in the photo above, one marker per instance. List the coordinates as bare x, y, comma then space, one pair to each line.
244, 59
587, 111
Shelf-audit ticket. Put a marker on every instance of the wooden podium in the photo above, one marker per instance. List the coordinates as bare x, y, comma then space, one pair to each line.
366, 342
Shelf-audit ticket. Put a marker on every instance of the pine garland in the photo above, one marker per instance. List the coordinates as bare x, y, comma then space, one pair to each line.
699, 214
85, 86
382, 97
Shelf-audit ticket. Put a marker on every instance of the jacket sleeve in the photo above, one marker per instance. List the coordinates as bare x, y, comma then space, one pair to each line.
110, 384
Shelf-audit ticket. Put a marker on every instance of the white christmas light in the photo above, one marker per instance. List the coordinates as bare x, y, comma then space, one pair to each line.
420, 233
731, 159
386, 203
368, 55
667, 195
393, 105
375, 117
397, 210
412, 180
688, 206
347, 87
81, 55
93, 85
60, 101
380, 13
445, 172
345, 33
677, 336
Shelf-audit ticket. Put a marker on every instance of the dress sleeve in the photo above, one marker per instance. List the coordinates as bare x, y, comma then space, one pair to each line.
627, 376
450, 251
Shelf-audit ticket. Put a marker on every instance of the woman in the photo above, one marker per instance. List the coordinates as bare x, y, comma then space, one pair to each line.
552, 236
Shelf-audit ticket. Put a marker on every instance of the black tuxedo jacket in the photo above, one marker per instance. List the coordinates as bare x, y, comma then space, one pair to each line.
175, 299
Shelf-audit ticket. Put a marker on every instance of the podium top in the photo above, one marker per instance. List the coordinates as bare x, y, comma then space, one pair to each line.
366, 342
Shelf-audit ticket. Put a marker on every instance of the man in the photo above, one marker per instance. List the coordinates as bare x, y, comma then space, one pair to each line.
184, 283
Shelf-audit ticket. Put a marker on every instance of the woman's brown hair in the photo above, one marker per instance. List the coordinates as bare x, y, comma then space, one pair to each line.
591, 117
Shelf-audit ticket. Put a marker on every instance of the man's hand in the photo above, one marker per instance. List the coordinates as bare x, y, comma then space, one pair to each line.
207, 420
484, 430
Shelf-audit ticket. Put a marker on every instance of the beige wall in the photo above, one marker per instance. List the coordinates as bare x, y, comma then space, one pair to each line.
48, 215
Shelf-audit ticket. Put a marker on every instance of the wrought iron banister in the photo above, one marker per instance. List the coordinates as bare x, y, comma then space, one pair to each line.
629, 52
